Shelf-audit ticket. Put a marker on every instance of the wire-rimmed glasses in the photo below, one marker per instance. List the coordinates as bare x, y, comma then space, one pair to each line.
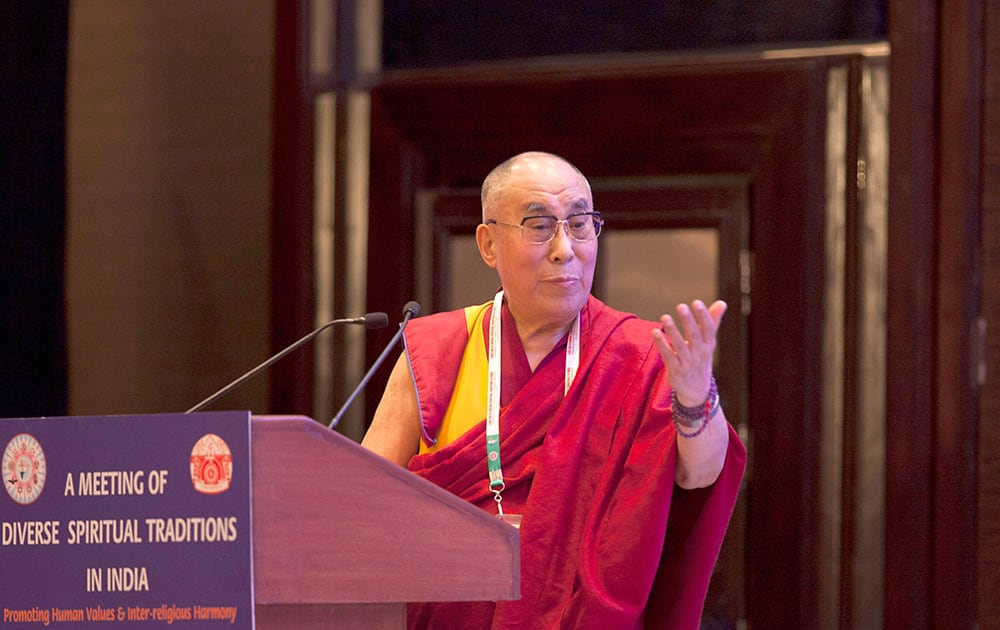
540, 229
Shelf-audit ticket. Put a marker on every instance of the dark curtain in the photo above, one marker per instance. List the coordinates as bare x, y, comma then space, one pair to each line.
33, 44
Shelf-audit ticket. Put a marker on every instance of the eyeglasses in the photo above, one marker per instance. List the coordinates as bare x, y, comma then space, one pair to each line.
539, 230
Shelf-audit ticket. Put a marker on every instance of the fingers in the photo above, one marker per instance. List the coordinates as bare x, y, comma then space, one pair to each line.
687, 345
665, 346
700, 323
716, 311
672, 334
695, 319
693, 332
697, 323
708, 318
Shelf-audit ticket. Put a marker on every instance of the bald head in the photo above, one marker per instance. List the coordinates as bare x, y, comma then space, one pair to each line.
496, 182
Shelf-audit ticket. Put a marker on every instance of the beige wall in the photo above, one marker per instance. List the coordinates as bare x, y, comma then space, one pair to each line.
168, 184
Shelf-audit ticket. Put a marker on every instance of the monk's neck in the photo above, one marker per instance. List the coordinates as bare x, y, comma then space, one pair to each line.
538, 341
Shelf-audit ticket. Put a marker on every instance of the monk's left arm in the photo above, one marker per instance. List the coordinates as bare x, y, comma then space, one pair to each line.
700, 458
687, 353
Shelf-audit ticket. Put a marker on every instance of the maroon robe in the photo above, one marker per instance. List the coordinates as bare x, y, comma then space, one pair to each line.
608, 540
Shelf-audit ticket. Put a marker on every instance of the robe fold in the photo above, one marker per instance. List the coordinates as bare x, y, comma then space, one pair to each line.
607, 539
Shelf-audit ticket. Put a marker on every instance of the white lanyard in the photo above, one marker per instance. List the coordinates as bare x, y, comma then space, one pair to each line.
493, 393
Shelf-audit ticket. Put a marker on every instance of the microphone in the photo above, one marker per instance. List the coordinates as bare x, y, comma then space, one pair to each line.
369, 320
411, 310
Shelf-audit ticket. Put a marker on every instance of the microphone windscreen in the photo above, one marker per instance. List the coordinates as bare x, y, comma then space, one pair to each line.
376, 320
412, 308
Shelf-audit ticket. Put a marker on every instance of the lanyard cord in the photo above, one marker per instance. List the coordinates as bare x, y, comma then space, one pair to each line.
493, 392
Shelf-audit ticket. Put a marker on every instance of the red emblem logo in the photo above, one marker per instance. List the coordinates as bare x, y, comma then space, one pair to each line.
24, 468
211, 464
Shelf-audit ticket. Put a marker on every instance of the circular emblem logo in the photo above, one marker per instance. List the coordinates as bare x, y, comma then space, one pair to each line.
24, 468
211, 464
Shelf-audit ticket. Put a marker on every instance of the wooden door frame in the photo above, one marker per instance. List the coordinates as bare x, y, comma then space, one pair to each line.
433, 129
933, 513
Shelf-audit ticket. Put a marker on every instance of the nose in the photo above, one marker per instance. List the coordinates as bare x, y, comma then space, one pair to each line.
561, 245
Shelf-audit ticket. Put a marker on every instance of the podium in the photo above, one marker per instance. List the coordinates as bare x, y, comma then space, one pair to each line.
181, 519
343, 538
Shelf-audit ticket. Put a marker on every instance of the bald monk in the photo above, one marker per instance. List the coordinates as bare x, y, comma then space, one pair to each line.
598, 434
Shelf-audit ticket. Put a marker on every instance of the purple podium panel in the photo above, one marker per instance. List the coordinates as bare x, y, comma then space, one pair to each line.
139, 520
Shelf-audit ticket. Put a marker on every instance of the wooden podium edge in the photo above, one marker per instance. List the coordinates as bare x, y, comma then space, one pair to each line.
403, 540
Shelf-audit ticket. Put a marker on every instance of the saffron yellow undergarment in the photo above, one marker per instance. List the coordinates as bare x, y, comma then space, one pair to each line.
467, 407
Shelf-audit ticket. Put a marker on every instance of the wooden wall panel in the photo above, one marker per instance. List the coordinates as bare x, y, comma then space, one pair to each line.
168, 140
291, 273
910, 413
989, 429
935, 287
959, 209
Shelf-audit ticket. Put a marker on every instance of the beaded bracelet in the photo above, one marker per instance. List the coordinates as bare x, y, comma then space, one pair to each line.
691, 417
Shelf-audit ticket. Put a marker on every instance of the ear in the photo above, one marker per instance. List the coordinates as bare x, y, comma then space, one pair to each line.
487, 249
